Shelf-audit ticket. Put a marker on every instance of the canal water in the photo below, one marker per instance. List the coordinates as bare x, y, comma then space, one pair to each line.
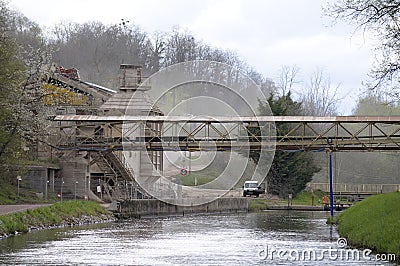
271, 237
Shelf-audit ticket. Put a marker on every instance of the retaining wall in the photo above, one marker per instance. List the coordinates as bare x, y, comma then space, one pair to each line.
153, 207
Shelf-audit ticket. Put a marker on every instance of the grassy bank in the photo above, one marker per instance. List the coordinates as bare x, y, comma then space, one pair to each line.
202, 177
303, 198
9, 195
256, 205
59, 214
373, 223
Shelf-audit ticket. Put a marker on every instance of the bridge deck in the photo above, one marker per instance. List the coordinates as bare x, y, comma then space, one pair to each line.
228, 119
339, 133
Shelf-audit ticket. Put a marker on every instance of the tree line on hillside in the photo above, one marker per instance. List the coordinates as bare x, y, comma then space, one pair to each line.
97, 50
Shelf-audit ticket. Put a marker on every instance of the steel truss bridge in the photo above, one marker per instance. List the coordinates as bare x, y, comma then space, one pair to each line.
221, 133
103, 137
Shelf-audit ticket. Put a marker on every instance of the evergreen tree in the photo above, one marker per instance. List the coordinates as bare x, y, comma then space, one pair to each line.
290, 171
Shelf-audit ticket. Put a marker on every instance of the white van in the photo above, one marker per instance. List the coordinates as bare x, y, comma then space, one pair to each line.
252, 188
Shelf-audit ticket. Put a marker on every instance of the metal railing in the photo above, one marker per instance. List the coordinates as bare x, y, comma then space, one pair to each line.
356, 188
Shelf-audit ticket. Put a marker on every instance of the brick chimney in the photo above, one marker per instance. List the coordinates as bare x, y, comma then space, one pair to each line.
130, 77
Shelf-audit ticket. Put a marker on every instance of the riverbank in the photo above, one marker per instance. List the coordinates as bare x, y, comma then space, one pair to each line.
63, 214
303, 201
373, 223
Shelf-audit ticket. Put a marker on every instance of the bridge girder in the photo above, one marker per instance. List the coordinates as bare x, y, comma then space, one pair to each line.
195, 133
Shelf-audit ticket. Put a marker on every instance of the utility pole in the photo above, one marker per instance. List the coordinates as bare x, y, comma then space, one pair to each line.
19, 179
47, 183
76, 182
62, 184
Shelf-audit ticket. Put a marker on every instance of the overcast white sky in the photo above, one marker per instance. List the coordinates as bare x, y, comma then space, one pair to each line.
265, 33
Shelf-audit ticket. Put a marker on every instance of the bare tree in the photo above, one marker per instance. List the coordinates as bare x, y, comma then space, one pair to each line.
96, 49
287, 79
158, 47
380, 17
180, 47
320, 98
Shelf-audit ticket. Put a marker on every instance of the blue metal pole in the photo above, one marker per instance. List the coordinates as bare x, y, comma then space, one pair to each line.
330, 185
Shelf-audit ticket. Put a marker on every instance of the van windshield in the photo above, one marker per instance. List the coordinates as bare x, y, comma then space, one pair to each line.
250, 185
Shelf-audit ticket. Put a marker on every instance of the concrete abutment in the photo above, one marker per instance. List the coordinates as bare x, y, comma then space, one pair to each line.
138, 208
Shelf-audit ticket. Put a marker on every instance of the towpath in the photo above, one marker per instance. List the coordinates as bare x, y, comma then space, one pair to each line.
6, 209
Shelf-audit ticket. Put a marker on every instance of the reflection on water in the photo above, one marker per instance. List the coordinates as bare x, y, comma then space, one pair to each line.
235, 239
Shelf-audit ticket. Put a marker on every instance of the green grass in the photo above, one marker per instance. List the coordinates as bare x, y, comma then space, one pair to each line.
56, 214
203, 177
8, 184
9, 195
373, 223
305, 198
256, 205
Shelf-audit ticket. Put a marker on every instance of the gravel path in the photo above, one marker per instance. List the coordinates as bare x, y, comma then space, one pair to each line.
6, 209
